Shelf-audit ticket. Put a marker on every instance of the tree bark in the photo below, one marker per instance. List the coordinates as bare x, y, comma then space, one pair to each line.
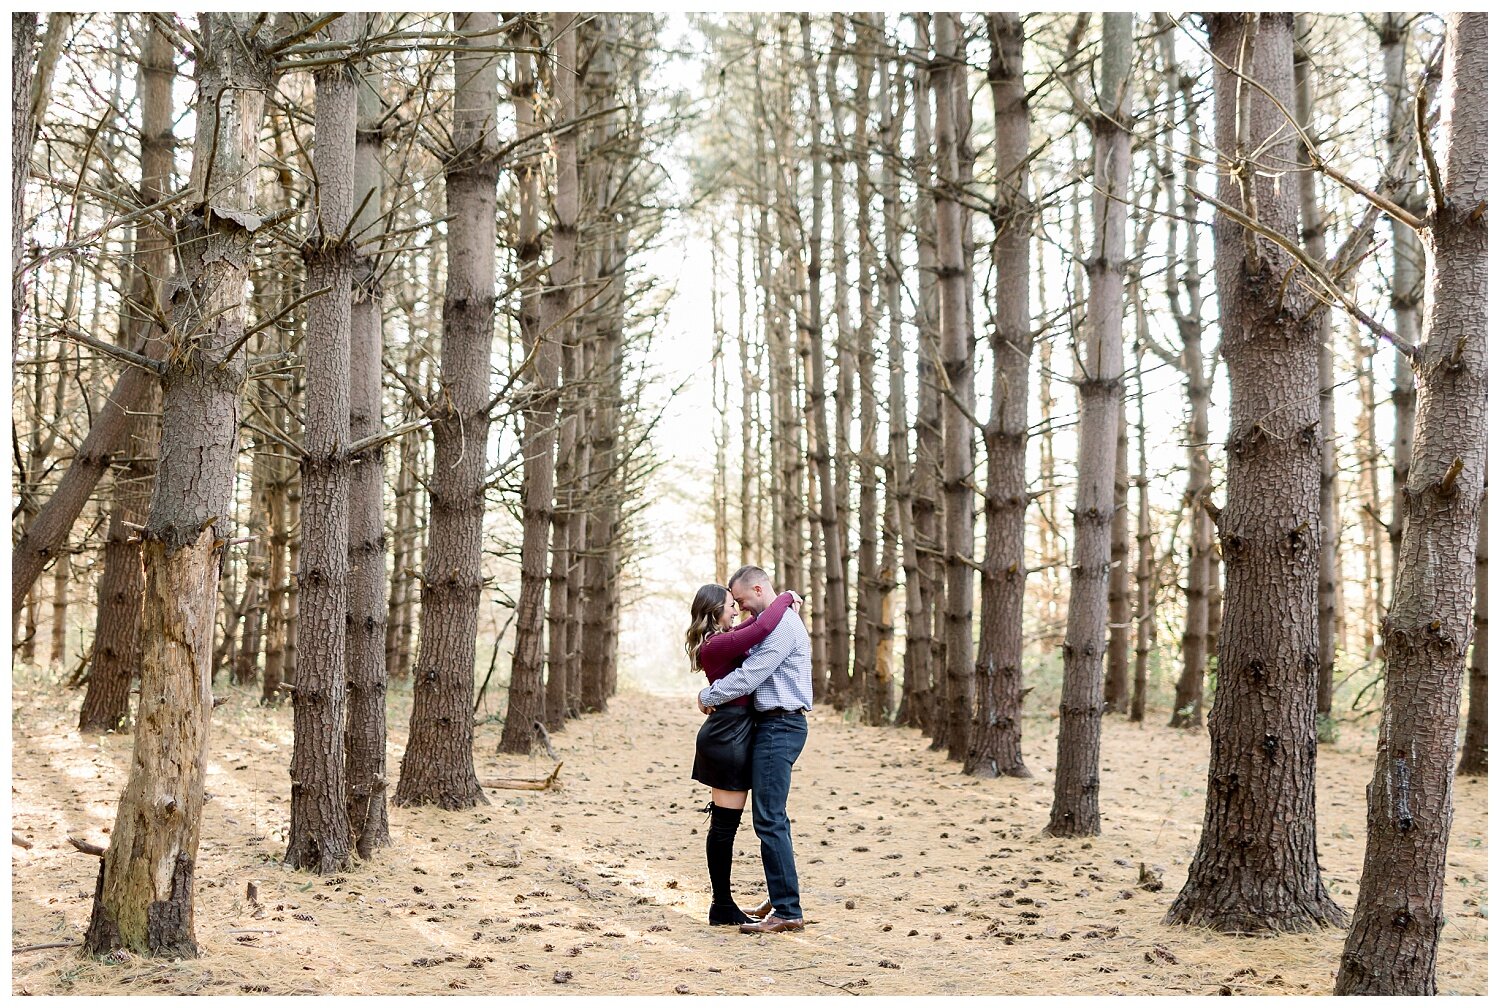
1075, 803
557, 309
117, 644
365, 726
600, 600
526, 699
1185, 296
1407, 257
928, 708
1256, 866
144, 897
995, 749
438, 765
839, 631
867, 593
880, 696
1393, 940
957, 362
1314, 241
835, 604
319, 836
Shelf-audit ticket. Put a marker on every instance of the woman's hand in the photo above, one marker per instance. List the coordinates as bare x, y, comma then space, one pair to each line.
797, 601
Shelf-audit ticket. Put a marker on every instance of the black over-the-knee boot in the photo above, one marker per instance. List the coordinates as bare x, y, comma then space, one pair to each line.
720, 846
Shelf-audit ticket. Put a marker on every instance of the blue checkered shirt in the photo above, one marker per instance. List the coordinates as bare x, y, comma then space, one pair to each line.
777, 672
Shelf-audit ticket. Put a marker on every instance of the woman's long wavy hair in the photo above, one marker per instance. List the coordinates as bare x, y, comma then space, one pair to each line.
708, 607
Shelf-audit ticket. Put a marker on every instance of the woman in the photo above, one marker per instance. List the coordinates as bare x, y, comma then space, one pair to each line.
715, 646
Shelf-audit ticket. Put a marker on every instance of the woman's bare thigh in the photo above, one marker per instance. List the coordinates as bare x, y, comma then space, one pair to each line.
730, 799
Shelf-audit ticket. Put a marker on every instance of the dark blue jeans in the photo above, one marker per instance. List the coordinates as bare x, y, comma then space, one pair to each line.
778, 742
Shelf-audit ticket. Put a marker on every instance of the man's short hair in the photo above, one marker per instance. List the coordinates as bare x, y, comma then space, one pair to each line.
750, 573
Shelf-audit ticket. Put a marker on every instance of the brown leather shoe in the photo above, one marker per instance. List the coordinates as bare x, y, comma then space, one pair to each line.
772, 925
760, 911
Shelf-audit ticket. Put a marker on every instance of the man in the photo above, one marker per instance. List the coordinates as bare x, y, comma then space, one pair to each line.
777, 674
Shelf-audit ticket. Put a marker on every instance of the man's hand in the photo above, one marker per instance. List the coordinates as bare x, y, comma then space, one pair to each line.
698, 701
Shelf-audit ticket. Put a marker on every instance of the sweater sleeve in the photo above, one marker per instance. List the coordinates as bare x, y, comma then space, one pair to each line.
737, 643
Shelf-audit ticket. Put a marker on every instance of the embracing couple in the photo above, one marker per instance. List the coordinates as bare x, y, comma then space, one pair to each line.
758, 695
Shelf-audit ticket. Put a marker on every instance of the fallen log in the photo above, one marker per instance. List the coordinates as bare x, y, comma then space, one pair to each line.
547, 783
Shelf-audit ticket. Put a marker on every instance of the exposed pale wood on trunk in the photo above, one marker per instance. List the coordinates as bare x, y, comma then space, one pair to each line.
144, 897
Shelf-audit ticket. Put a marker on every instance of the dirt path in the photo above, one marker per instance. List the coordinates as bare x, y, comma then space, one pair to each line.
916, 879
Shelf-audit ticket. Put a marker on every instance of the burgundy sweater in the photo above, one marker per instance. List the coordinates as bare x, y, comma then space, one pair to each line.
722, 653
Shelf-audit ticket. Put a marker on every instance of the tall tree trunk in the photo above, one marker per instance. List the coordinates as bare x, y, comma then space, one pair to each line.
835, 604
319, 836
600, 601
958, 365
867, 580
525, 700
144, 897
557, 309
930, 713
786, 443
1474, 761
1075, 803
438, 765
917, 656
1315, 243
1256, 867
1185, 296
996, 745
880, 699
365, 726
1393, 940
117, 643
839, 635
1407, 257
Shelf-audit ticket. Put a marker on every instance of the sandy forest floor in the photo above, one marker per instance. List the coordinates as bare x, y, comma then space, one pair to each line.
915, 879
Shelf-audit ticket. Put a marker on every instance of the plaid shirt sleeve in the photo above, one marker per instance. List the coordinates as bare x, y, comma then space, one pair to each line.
758, 666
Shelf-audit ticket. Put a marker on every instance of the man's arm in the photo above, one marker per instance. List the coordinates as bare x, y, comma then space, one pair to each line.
757, 668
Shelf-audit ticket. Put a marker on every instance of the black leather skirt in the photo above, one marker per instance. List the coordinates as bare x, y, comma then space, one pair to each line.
723, 757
